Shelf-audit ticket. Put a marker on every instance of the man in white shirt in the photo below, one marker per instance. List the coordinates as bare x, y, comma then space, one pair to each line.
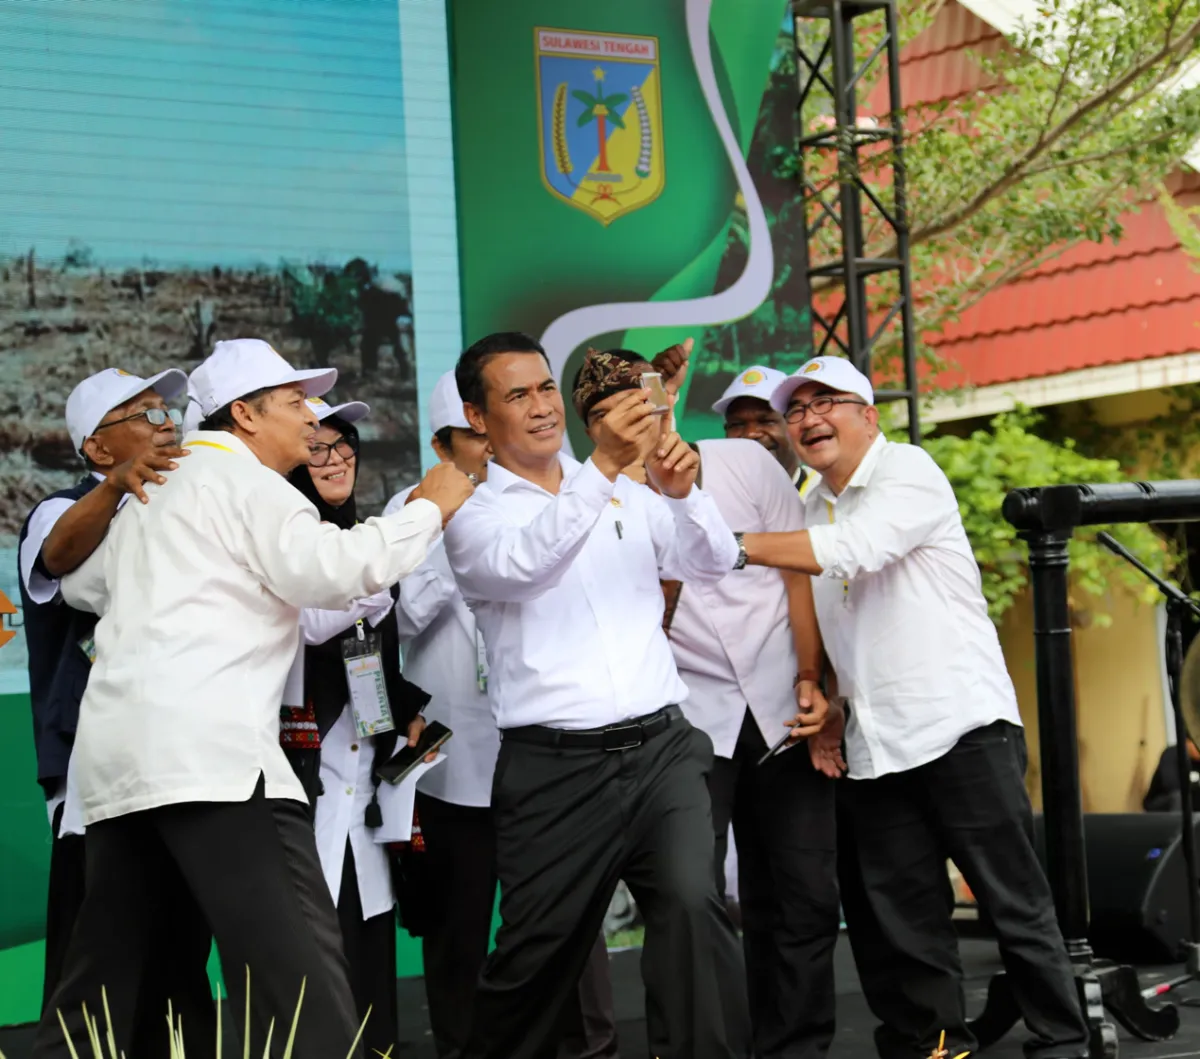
443, 654
599, 775
177, 768
122, 429
934, 741
746, 406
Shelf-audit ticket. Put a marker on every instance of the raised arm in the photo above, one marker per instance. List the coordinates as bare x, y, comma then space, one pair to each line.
318, 626
909, 500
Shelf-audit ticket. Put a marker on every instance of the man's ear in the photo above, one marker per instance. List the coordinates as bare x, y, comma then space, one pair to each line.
872, 414
440, 451
97, 455
475, 418
245, 416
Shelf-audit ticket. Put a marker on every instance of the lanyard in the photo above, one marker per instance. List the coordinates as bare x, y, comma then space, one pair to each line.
212, 445
845, 584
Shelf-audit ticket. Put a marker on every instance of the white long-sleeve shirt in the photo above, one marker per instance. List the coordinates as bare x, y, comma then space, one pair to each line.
347, 766
733, 640
199, 595
902, 613
566, 591
441, 655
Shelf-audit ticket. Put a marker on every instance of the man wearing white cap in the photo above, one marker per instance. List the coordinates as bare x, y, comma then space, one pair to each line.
180, 776
746, 406
120, 426
934, 743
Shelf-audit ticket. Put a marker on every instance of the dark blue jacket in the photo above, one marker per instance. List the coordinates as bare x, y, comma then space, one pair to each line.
58, 666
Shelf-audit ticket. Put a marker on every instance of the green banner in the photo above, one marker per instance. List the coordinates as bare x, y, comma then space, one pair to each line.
604, 191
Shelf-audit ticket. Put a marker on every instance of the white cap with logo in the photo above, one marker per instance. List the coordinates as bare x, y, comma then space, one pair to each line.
835, 372
350, 411
243, 365
757, 381
446, 406
99, 394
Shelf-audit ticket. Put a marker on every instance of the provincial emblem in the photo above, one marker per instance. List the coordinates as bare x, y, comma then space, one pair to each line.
753, 377
600, 124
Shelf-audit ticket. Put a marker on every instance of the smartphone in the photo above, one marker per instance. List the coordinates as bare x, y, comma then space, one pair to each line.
657, 393
408, 758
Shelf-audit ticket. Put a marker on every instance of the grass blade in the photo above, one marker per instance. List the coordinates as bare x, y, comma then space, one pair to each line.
287, 1051
70, 1043
358, 1035
246, 1035
220, 1021
270, 1034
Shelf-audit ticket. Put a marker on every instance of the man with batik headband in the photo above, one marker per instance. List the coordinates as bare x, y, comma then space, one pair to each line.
550, 554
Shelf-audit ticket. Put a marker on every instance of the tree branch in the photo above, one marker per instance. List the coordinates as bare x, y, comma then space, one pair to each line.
1098, 156
1015, 172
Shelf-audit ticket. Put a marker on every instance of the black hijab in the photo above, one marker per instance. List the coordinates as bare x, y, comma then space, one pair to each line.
345, 516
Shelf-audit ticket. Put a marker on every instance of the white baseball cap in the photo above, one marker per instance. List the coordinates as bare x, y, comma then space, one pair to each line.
243, 365
446, 406
757, 381
99, 394
835, 372
350, 411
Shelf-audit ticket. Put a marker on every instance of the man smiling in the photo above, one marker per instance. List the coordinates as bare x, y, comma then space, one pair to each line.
935, 747
177, 768
560, 563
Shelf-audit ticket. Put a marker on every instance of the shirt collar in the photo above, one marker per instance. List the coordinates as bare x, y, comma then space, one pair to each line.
501, 479
219, 439
862, 473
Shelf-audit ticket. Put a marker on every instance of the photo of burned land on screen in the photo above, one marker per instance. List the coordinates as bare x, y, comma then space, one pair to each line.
61, 320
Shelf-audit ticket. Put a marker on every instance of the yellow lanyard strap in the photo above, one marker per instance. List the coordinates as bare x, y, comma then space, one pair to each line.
845, 584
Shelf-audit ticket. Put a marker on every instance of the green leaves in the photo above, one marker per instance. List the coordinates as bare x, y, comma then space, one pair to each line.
586, 98
987, 464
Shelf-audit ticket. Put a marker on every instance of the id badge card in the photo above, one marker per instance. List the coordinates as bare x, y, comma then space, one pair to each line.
481, 662
368, 689
88, 646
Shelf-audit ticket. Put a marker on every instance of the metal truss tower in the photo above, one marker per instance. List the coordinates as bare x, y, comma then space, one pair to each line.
834, 143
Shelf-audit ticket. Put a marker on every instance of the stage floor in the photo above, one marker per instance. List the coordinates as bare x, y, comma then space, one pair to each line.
855, 1023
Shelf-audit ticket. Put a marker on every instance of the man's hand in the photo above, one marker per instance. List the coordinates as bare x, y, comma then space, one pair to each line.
825, 748
672, 466
130, 476
812, 711
446, 486
625, 435
672, 365
415, 729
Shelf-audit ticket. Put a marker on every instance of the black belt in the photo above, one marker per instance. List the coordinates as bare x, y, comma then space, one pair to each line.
614, 737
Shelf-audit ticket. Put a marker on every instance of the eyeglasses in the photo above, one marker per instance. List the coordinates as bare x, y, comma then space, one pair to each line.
321, 453
821, 406
157, 417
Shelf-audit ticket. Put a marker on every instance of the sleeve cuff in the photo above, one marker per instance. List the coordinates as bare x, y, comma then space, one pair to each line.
824, 545
420, 515
684, 505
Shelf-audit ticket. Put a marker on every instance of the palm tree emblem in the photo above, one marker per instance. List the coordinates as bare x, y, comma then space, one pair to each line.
601, 109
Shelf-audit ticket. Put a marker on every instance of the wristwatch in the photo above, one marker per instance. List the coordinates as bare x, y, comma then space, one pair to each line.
742, 558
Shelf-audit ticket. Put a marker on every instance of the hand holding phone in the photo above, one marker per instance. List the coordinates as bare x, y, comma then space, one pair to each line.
408, 758
656, 392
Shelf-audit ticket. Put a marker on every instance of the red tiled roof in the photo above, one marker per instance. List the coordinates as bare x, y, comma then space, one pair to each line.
1096, 304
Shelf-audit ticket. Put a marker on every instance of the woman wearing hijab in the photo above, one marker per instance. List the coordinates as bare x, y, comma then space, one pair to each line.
321, 734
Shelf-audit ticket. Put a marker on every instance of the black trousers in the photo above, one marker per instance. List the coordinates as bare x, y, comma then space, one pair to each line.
570, 823
252, 869
784, 825
460, 842
370, 948
179, 957
898, 830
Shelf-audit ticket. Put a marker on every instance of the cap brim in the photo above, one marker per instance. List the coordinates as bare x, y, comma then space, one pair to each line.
783, 392
167, 383
351, 411
316, 383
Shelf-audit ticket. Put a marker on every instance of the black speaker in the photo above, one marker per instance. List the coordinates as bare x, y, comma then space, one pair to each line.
1136, 884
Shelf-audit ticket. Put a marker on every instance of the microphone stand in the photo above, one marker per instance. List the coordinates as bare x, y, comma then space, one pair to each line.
1178, 607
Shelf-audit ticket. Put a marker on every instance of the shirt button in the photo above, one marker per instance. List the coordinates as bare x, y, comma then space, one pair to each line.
349, 790
353, 746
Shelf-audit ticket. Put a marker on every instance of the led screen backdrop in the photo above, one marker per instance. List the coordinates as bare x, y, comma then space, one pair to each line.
177, 173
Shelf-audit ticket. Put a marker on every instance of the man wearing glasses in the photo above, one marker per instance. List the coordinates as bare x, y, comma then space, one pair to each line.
934, 743
121, 428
